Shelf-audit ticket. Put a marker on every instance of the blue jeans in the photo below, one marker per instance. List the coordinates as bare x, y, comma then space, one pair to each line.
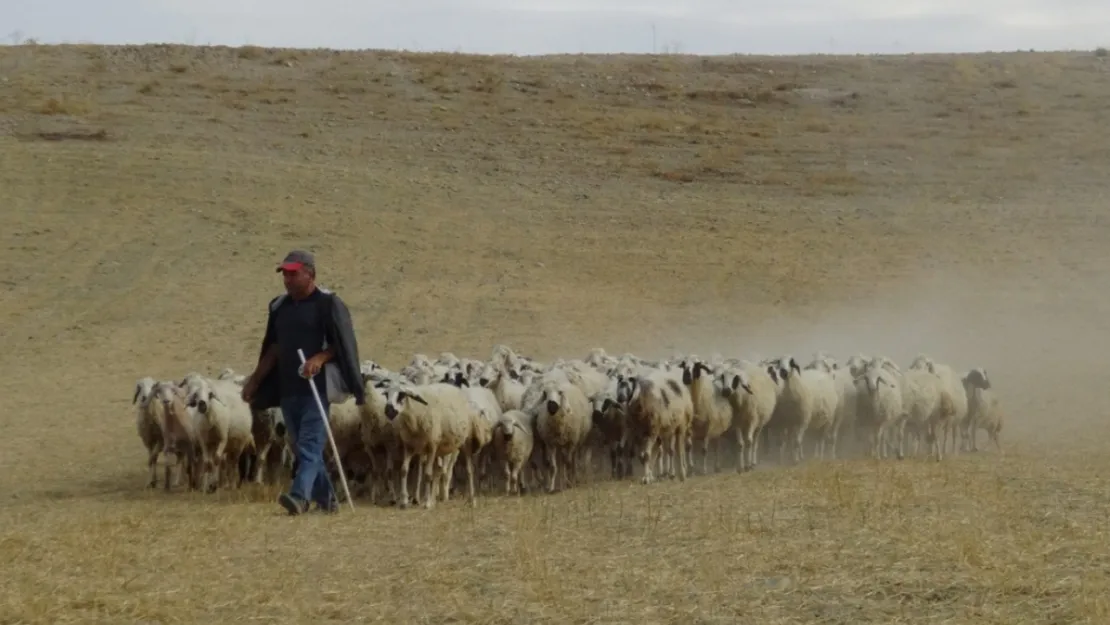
306, 427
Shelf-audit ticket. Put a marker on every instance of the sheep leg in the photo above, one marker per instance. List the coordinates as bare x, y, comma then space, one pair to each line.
553, 467
798, 440
168, 475
406, 464
418, 479
674, 450
688, 443
261, 464
430, 480
831, 437
754, 442
614, 462
902, 433
749, 442
508, 478
152, 462
704, 455
646, 449
469, 460
741, 451
449, 464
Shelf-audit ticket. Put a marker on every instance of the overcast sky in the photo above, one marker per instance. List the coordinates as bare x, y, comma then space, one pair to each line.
572, 26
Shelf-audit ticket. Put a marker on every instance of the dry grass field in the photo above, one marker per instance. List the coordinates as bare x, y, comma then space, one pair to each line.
955, 205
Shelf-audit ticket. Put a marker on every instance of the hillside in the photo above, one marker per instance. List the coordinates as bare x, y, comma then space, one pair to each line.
954, 205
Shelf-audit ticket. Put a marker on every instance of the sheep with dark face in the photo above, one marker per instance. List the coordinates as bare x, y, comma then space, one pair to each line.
984, 411
563, 422
609, 423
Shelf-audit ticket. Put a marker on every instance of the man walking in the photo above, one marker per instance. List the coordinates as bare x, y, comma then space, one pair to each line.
316, 321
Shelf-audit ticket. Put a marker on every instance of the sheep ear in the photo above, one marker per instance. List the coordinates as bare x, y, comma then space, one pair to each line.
774, 374
416, 398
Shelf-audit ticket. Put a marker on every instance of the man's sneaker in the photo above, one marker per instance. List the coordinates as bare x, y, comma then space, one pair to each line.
291, 504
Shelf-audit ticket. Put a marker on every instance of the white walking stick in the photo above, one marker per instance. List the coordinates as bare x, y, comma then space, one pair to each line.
331, 439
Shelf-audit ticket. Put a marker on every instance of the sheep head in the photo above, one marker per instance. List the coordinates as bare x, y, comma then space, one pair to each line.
143, 389
977, 378
923, 362
603, 406
692, 369
458, 379
397, 399
730, 381
554, 398
785, 365
201, 399
874, 376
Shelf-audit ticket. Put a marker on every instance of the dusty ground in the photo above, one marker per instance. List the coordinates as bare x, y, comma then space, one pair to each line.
947, 204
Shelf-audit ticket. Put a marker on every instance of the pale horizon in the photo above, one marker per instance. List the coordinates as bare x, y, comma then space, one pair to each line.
703, 27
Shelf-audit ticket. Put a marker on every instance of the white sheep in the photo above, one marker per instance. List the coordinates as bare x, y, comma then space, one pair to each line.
880, 399
223, 427
712, 411
563, 422
345, 421
984, 411
431, 421
807, 402
752, 394
505, 383
660, 413
383, 444
513, 438
953, 384
927, 408
178, 427
846, 414
150, 431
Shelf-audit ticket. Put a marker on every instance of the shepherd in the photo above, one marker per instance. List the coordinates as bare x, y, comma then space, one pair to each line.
313, 319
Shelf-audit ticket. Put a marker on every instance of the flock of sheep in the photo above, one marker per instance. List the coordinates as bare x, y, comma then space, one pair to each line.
532, 425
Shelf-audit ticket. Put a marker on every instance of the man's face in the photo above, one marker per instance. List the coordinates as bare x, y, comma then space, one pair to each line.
297, 281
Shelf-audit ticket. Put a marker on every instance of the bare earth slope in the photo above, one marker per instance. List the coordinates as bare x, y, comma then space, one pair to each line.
954, 205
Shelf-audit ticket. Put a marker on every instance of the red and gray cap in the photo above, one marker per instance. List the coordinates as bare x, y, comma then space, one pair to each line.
296, 259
